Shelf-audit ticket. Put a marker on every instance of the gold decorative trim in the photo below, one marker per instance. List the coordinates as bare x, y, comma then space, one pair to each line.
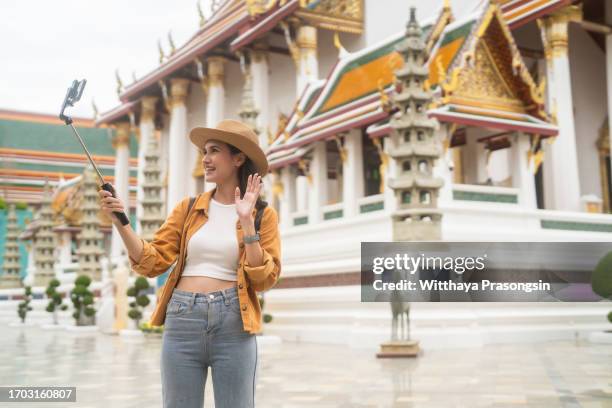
384, 161
122, 135
179, 89
216, 72
344, 25
303, 164
148, 108
554, 29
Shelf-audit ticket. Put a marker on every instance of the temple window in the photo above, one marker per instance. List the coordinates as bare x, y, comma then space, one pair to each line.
406, 197
406, 166
425, 197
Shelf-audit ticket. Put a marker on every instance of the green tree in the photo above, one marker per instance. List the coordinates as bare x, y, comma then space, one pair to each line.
55, 299
24, 306
601, 279
82, 299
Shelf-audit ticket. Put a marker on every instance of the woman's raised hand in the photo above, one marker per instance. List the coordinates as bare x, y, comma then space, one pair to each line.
244, 206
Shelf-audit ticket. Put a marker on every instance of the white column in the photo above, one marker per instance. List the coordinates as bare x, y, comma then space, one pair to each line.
563, 156
389, 144
352, 170
121, 143
287, 204
307, 64
216, 98
317, 193
147, 127
522, 171
179, 169
261, 86
442, 166
301, 185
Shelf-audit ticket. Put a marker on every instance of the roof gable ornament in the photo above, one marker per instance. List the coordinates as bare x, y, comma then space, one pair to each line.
485, 68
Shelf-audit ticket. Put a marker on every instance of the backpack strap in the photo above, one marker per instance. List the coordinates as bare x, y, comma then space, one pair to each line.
259, 216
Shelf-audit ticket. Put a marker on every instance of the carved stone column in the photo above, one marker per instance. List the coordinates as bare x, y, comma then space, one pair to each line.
563, 158
178, 168
147, 127
261, 91
121, 144
317, 193
287, 203
352, 188
307, 62
216, 97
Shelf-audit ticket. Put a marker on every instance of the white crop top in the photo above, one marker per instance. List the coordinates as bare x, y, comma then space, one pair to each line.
213, 249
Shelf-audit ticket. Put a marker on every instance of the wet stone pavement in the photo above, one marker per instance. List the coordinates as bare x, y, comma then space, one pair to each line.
111, 371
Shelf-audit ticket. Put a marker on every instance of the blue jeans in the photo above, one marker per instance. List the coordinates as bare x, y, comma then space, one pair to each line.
202, 330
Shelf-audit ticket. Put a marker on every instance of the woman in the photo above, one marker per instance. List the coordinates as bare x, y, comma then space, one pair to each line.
209, 302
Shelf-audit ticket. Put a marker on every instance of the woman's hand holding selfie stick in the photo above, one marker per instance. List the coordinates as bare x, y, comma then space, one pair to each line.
112, 206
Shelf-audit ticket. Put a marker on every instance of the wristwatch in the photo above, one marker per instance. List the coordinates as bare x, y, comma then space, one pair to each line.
249, 239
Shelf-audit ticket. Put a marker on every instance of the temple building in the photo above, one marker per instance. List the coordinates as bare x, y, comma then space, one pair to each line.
478, 120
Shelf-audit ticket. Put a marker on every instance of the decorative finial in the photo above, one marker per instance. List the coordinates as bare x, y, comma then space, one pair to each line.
412, 28
161, 52
119, 82
342, 52
95, 109
201, 14
171, 42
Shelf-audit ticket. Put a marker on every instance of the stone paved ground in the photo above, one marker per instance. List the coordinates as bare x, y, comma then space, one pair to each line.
110, 371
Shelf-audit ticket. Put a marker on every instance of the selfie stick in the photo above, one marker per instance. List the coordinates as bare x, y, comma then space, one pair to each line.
74, 95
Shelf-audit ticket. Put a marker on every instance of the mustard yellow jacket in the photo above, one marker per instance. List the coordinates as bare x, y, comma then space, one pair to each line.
170, 242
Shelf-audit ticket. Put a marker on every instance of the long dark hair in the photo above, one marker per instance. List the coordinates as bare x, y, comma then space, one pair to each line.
247, 168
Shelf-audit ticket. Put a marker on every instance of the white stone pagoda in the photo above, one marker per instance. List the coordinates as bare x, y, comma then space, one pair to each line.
89, 240
11, 265
44, 241
416, 150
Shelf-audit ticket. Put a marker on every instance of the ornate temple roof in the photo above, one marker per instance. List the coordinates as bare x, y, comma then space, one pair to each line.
471, 61
236, 23
35, 147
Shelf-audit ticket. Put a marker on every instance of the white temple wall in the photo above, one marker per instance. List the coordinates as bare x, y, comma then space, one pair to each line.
282, 79
233, 82
588, 73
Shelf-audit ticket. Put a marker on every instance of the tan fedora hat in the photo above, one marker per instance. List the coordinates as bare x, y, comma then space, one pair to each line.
237, 134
